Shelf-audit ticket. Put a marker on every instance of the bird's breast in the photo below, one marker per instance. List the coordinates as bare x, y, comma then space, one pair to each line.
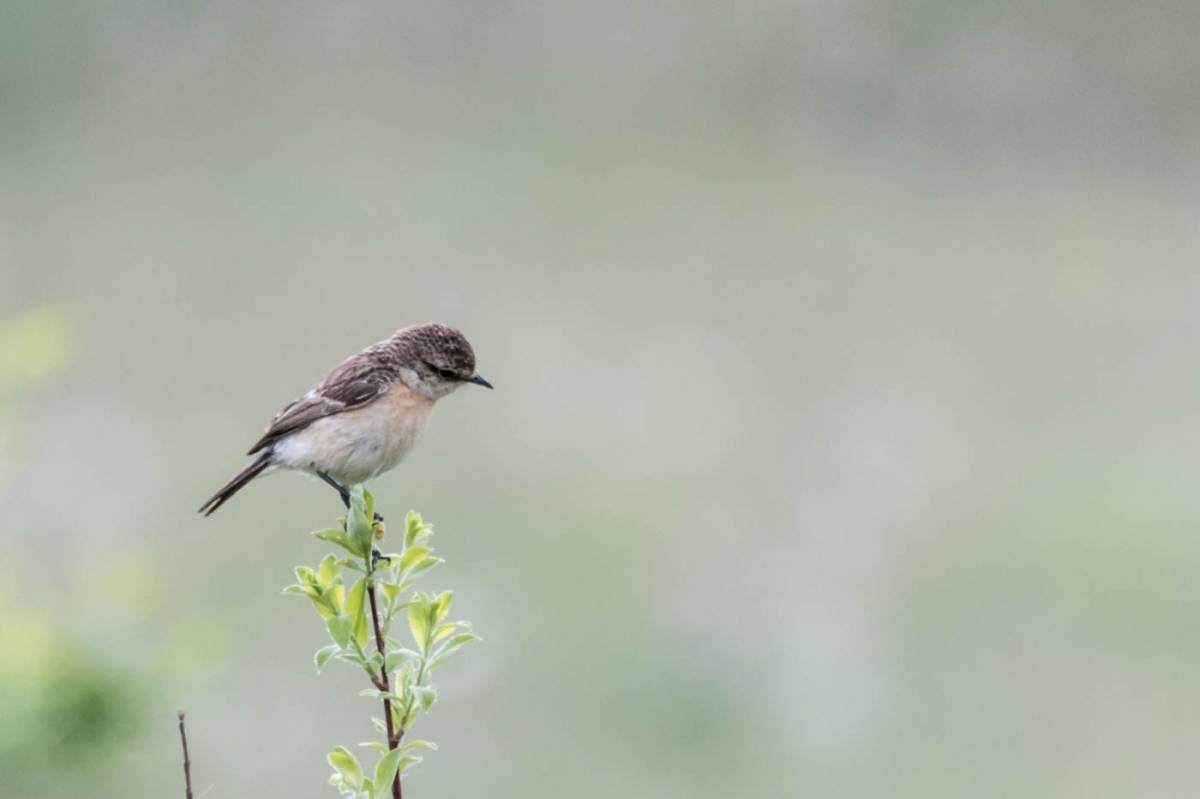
354, 446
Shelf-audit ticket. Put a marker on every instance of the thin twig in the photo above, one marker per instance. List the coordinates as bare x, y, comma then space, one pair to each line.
187, 764
381, 645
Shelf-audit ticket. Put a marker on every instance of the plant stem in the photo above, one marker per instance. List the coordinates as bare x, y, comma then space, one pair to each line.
381, 645
187, 764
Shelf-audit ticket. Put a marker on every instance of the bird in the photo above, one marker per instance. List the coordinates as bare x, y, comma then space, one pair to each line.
362, 419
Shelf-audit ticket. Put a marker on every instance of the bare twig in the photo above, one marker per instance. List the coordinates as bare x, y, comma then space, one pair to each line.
187, 764
392, 734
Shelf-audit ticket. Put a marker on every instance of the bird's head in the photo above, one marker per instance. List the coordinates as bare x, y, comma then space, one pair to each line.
439, 357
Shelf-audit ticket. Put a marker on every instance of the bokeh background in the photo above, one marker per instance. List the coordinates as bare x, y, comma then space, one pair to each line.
847, 408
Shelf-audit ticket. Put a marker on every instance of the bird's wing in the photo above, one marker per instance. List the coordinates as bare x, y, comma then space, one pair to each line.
358, 381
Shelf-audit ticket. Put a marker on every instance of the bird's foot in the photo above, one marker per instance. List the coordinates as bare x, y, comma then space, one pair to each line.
377, 556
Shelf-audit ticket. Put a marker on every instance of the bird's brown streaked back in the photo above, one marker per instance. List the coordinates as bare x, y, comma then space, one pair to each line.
357, 381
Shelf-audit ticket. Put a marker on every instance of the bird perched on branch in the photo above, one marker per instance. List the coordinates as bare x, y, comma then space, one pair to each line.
364, 417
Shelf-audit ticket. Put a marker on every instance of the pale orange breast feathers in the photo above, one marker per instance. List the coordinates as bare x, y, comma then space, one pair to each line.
354, 446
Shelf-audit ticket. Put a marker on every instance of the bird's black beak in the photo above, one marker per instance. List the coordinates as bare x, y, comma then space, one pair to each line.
478, 380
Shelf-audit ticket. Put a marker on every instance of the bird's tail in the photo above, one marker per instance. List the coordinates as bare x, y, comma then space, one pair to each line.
252, 470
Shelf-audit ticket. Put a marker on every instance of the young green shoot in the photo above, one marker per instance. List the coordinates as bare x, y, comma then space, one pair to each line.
359, 619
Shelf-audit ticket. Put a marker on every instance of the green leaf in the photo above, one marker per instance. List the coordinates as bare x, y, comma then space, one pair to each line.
375, 693
412, 556
396, 607
390, 590
385, 769
425, 695
418, 744
362, 632
360, 528
350, 656
404, 679
327, 572
340, 629
376, 745
323, 655
323, 606
305, 575
355, 609
346, 764
379, 725
339, 537
398, 657
413, 527
418, 622
369, 505
424, 566
441, 607
451, 646
444, 632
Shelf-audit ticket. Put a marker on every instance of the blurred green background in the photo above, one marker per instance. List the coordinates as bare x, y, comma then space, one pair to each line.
846, 414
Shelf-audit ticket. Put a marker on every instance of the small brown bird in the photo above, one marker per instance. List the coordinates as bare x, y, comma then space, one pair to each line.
364, 417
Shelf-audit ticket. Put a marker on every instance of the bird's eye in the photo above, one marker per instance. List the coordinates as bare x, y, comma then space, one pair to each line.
445, 374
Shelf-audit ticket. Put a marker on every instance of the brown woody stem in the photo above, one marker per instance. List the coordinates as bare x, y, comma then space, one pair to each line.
187, 764
381, 645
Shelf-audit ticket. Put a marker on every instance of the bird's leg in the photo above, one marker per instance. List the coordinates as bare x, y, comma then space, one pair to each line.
343, 492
